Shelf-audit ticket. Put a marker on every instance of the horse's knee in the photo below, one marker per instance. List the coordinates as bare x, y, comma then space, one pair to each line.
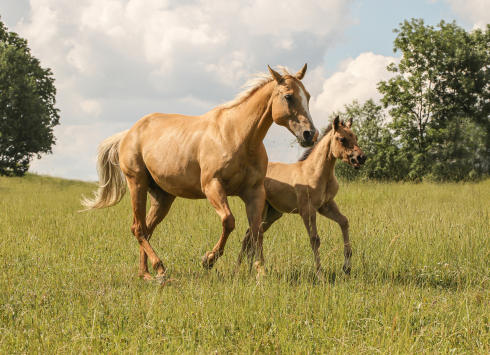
228, 223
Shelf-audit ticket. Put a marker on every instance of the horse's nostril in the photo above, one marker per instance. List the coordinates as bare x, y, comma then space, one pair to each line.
361, 159
308, 135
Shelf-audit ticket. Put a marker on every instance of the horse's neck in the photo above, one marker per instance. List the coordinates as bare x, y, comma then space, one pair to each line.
253, 118
321, 162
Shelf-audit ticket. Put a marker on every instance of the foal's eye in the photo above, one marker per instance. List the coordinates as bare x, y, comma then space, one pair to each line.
288, 98
342, 140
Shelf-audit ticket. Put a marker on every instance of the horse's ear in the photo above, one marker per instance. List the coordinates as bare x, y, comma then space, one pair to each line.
336, 123
277, 77
349, 123
301, 74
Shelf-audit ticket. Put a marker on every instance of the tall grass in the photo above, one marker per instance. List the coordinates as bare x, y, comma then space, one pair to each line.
420, 281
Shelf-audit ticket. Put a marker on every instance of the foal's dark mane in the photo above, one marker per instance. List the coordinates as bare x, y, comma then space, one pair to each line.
325, 131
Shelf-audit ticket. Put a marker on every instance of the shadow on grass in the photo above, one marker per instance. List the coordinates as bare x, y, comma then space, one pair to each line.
436, 278
451, 280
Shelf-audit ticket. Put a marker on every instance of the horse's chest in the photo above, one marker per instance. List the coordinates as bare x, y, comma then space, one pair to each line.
329, 192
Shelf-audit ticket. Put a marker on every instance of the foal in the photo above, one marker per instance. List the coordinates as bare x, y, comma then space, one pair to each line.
310, 185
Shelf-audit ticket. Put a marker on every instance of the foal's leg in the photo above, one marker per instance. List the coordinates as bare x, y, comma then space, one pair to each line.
161, 202
217, 196
308, 214
254, 204
138, 187
269, 216
331, 211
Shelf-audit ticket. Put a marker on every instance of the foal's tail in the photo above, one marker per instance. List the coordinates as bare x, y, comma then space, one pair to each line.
112, 183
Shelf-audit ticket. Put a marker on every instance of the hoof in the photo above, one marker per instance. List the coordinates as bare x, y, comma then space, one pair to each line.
260, 269
207, 262
146, 276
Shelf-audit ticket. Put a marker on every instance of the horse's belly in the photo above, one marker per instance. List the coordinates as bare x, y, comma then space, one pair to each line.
282, 197
182, 181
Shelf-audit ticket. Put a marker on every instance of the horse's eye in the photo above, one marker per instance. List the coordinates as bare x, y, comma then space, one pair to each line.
342, 140
288, 98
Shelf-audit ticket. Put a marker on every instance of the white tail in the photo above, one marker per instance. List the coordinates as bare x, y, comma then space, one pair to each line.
112, 183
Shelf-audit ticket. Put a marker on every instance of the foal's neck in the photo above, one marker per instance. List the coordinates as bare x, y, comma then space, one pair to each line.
321, 162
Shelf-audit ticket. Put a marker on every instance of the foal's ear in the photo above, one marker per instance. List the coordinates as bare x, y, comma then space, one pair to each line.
349, 122
301, 74
336, 123
277, 77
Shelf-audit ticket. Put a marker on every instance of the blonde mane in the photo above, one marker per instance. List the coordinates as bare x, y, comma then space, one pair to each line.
254, 83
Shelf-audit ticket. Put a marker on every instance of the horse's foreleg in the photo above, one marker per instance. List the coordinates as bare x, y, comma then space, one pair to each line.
308, 214
161, 202
331, 211
254, 204
217, 197
138, 189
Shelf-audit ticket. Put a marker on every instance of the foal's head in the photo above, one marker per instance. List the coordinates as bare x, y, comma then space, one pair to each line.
290, 107
344, 144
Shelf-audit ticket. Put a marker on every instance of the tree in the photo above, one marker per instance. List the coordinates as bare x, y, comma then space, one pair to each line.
442, 83
385, 161
27, 99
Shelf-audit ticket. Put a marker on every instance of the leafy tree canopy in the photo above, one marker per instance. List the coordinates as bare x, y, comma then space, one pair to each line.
439, 96
27, 99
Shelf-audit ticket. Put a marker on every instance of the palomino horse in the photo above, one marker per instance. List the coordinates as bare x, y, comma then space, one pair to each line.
212, 156
310, 185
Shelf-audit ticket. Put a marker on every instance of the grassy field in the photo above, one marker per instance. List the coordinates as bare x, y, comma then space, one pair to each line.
420, 281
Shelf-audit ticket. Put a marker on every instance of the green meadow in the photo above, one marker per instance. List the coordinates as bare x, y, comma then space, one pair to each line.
420, 281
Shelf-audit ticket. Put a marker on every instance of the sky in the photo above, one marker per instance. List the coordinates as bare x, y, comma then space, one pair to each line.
115, 61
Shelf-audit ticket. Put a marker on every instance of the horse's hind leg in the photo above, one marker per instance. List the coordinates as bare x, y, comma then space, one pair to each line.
331, 211
269, 216
138, 186
161, 202
217, 197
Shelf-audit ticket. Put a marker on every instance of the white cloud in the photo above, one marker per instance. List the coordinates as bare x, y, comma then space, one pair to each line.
92, 107
74, 154
357, 81
116, 60
477, 11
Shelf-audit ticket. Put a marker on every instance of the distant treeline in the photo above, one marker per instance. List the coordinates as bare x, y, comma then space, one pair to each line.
433, 122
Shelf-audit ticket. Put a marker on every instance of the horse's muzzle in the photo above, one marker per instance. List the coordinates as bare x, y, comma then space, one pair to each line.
308, 138
357, 161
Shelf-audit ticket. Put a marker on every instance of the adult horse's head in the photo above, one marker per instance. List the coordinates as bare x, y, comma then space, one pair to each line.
290, 106
344, 144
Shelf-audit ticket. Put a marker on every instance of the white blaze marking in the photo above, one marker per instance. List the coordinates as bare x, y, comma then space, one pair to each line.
304, 102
